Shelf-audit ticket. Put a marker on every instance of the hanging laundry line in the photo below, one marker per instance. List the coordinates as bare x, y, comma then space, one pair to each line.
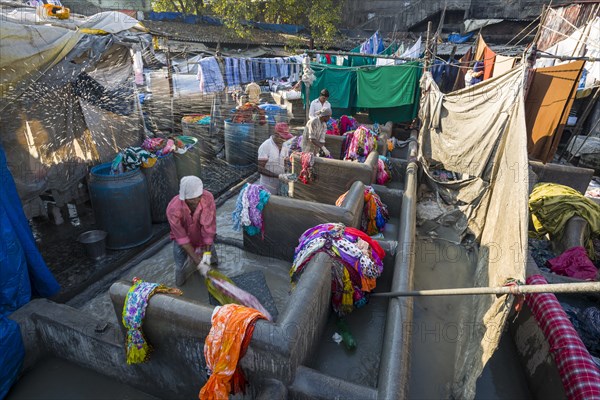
351, 54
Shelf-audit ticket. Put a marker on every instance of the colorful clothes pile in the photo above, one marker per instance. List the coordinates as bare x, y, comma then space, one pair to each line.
375, 213
249, 113
134, 309
152, 149
359, 144
132, 158
347, 124
198, 119
248, 209
384, 171
162, 147
226, 344
307, 175
357, 263
332, 127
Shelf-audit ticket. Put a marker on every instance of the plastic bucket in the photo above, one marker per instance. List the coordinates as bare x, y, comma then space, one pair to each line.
94, 243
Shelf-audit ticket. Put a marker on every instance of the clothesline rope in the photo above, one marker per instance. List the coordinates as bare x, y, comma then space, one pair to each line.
579, 41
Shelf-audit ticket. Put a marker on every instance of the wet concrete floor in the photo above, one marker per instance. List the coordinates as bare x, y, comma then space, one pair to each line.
56, 379
66, 257
233, 262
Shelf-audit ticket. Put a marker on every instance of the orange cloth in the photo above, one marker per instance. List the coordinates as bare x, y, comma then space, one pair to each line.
489, 58
226, 344
547, 107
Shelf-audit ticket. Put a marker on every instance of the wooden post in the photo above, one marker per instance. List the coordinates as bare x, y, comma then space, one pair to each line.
171, 90
307, 97
427, 61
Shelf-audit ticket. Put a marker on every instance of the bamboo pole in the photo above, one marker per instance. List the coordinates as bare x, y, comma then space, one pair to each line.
584, 287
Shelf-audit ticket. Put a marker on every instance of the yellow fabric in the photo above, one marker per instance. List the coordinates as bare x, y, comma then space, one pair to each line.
223, 346
93, 31
552, 205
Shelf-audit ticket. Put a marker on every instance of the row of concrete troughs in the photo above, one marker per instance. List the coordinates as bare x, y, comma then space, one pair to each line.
459, 217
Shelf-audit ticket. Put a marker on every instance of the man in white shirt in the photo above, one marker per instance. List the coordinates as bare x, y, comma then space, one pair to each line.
253, 92
313, 138
271, 157
319, 103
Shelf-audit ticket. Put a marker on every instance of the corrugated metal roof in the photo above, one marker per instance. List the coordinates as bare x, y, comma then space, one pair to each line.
560, 21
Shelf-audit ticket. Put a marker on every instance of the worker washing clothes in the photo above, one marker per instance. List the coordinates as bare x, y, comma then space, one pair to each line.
192, 216
319, 103
313, 138
253, 92
271, 157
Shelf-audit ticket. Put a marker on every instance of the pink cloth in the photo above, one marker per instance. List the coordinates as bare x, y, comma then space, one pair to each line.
580, 376
574, 263
198, 229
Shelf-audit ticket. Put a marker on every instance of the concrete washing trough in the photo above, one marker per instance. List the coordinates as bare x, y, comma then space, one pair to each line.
291, 357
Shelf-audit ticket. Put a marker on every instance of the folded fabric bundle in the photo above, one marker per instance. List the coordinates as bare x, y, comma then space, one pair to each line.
134, 310
248, 209
226, 344
357, 263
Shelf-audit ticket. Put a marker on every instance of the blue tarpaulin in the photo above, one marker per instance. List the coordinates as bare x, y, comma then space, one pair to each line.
196, 19
281, 28
166, 16
23, 274
458, 39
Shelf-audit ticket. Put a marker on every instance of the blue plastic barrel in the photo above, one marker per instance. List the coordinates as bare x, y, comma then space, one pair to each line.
163, 185
274, 113
121, 206
240, 143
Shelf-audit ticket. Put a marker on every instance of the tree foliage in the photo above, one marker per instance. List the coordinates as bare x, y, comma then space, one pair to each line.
182, 6
320, 16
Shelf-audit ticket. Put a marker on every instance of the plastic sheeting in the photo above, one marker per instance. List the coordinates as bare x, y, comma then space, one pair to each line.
25, 51
110, 22
476, 24
60, 119
23, 273
478, 133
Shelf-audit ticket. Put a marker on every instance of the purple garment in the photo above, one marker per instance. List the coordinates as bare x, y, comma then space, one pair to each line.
253, 199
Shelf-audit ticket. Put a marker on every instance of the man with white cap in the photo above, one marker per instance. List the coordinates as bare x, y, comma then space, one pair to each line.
313, 138
271, 157
192, 216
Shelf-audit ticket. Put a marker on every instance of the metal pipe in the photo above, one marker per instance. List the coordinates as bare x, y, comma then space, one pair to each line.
583, 287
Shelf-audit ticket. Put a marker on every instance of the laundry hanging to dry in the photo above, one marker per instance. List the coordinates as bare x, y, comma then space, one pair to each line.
547, 106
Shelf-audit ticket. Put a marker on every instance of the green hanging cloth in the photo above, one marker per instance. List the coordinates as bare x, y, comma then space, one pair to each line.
392, 86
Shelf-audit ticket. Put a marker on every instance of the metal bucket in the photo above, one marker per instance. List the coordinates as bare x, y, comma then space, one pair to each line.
94, 243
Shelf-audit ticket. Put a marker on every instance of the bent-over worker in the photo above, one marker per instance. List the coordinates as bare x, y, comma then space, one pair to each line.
271, 157
313, 138
192, 216
319, 103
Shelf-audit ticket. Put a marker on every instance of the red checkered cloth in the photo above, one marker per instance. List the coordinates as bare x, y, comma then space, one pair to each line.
579, 374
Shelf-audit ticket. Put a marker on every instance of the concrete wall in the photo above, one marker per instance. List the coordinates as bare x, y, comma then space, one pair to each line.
404, 14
